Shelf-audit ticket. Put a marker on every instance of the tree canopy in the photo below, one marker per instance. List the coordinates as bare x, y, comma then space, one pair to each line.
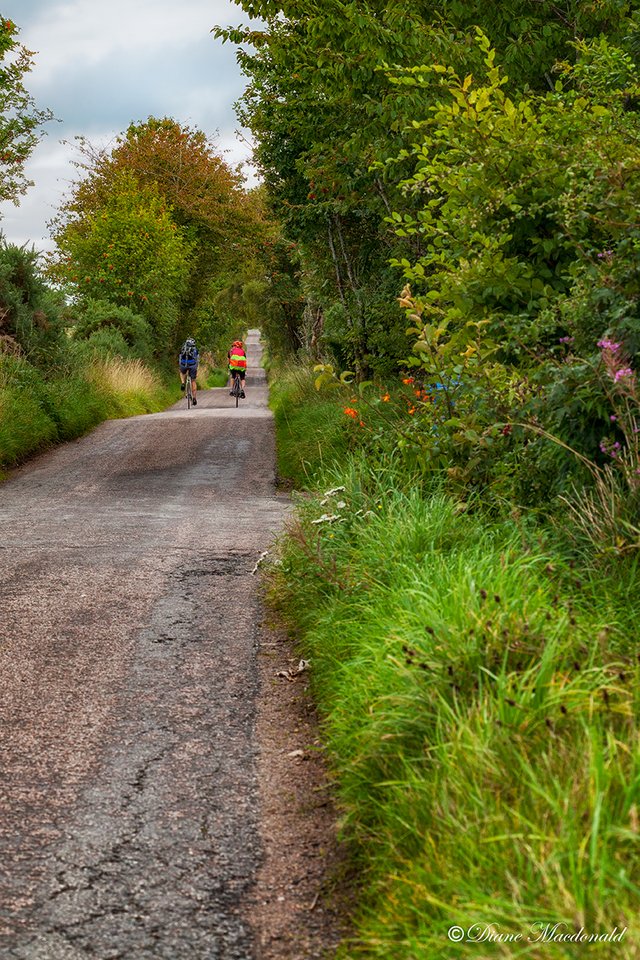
20, 120
159, 222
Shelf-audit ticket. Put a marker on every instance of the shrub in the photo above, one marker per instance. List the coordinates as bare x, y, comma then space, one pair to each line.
114, 329
30, 312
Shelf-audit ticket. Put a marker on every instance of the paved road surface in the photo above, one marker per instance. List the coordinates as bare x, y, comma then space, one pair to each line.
128, 617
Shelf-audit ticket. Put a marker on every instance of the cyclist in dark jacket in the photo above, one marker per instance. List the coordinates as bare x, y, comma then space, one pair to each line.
188, 360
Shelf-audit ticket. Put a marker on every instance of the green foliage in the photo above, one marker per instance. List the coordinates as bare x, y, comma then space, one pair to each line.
74, 404
39, 408
528, 253
25, 425
131, 253
30, 312
479, 709
103, 322
311, 429
217, 377
276, 299
20, 120
54, 387
160, 224
326, 119
477, 687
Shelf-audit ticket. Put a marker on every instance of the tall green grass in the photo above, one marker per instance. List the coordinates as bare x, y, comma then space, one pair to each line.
311, 427
35, 411
479, 695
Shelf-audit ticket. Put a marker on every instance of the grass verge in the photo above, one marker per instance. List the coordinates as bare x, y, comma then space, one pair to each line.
479, 694
35, 412
310, 426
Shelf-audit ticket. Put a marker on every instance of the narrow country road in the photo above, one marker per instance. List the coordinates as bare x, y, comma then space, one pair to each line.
128, 619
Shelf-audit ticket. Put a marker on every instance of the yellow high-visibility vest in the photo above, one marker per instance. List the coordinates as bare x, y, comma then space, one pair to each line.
237, 361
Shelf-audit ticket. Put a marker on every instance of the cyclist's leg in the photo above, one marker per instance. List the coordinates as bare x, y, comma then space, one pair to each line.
183, 377
242, 375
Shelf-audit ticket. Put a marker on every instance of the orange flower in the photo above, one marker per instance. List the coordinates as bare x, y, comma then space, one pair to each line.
350, 412
408, 380
386, 398
412, 409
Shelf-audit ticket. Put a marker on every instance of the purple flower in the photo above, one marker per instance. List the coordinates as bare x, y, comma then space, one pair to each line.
605, 254
623, 372
613, 418
566, 339
609, 345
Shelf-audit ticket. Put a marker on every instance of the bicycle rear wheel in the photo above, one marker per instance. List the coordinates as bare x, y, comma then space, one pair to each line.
189, 393
236, 388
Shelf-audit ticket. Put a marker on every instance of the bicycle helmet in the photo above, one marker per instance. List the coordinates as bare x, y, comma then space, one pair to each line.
237, 343
190, 342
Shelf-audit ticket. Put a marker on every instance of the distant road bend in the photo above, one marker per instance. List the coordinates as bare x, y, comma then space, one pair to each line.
128, 617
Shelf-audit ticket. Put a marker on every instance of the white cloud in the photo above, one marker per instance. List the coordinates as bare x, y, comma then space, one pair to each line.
103, 64
84, 34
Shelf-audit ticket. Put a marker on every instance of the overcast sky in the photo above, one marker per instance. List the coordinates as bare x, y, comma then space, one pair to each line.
103, 64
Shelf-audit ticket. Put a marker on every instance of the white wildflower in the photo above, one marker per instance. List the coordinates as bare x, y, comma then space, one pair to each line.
327, 518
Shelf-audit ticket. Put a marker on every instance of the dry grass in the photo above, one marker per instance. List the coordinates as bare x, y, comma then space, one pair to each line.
124, 377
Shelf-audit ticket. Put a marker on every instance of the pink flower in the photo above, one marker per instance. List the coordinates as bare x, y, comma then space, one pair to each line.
609, 345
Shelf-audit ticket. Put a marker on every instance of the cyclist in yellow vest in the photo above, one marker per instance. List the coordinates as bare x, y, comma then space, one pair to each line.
237, 363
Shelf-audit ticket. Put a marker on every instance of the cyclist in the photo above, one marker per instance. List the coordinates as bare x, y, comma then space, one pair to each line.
237, 363
188, 360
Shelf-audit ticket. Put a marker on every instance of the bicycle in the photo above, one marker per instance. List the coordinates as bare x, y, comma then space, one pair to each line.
188, 390
236, 388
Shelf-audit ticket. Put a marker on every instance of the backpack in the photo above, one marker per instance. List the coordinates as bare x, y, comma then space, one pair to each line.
188, 353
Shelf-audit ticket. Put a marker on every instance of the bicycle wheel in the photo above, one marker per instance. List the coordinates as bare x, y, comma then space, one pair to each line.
236, 388
188, 392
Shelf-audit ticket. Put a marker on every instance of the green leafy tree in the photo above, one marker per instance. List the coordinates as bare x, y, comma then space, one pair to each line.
325, 119
220, 223
20, 120
129, 251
